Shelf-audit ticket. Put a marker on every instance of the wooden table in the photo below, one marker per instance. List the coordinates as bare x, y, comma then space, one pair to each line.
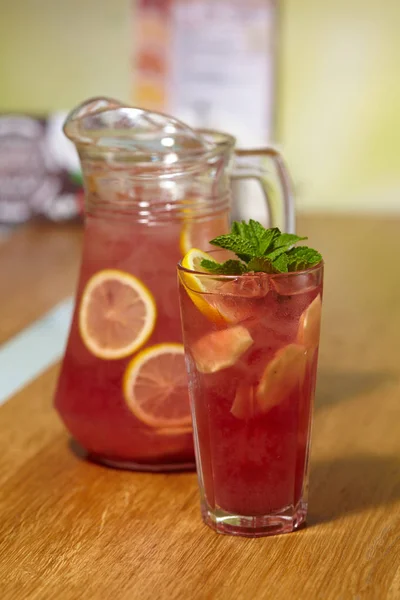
72, 530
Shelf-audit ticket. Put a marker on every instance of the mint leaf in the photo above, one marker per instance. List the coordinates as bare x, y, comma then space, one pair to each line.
229, 267
210, 265
256, 229
262, 237
240, 228
287, 239
242, 247
261, 264
258, 238
302, 258
266, 265
276, 253
267, 239
281, 263
282, 244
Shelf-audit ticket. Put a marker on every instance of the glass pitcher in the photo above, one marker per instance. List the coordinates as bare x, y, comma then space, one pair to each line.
154, 188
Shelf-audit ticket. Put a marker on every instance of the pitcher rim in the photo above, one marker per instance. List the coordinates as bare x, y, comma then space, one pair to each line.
221, 141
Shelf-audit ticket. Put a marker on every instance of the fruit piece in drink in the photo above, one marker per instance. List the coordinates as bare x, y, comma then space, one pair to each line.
221, 349
282, 375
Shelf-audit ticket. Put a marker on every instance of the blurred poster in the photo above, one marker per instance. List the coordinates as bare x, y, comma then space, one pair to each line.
211, 63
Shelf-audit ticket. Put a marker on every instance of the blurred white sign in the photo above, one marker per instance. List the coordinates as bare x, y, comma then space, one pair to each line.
209, 62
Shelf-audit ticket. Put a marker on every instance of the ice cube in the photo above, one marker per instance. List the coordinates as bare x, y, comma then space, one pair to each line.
249, 285
295, 283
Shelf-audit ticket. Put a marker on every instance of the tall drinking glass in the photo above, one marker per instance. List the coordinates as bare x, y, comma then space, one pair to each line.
251, 346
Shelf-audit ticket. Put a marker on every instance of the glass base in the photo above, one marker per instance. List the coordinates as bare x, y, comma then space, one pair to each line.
134, 466
285, 520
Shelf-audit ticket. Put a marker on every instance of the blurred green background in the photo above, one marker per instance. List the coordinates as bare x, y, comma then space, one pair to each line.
339, 92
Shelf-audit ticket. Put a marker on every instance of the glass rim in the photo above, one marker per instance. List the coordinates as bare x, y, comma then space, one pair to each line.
256, 274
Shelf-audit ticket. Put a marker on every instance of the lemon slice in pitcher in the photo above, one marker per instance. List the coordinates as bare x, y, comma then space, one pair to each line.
197, 234
156, 390
117, 314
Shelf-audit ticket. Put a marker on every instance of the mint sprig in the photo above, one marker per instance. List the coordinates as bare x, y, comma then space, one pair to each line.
261, 250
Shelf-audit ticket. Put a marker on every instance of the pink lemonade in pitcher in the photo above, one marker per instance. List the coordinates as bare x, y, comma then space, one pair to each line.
122, 391
252, 345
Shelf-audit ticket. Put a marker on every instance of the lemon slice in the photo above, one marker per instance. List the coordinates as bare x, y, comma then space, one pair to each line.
156, 390
192, 260
243, 406
282, 374
185, 239
117, 314
219, 350
222, 300
197, 286
310, 324
198, 233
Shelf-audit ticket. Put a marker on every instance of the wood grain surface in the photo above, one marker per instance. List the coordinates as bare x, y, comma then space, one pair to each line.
38, 268
72, 530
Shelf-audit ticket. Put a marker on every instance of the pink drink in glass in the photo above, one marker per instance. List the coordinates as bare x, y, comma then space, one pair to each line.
252, 378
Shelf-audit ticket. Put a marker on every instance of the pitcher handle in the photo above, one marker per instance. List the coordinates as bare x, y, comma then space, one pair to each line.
250, 164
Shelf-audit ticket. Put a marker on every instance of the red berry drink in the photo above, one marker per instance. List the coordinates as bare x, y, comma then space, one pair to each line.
251, 344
